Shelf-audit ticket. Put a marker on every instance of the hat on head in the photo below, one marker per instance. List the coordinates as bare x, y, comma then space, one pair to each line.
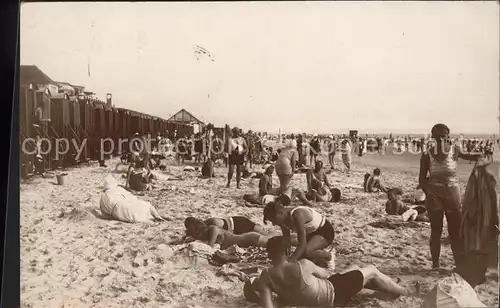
315, 135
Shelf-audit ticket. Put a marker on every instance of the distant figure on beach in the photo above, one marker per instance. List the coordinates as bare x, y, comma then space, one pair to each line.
442, 191
346, 154
361, 147
332, 150
315, 233
250, 140
237, 149
302, 283
315, 149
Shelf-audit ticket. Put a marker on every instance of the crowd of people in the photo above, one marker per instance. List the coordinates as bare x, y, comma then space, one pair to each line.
306, 277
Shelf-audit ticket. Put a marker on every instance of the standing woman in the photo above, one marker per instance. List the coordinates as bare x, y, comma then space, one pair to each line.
346, 154
286, 164
442, 191
237, 148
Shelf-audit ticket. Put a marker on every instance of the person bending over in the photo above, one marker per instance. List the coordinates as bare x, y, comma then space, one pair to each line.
302, 283
315, 233
373, 182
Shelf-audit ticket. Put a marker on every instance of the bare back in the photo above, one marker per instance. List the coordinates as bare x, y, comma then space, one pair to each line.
296, 284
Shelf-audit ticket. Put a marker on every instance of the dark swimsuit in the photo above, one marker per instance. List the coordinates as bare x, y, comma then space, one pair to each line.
240, 225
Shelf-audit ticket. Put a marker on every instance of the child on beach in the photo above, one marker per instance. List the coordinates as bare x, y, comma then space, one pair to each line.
139, 177
373, 183
394, 206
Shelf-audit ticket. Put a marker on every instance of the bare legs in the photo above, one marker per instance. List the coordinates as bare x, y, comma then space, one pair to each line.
230, 175
331, 160
377, 281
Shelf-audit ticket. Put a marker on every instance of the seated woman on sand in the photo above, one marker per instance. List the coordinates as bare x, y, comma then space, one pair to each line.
139, 177
318, 186
265, 188
394, 206
213, 234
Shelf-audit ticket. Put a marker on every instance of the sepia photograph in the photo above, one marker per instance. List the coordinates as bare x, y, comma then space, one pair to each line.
259, 154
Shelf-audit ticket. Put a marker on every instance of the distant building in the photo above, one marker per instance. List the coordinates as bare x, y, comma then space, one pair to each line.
185, 117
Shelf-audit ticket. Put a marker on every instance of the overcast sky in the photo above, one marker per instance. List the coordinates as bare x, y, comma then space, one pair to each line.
315, 67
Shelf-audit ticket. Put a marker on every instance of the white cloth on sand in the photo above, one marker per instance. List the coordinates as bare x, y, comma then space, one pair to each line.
410, 215
452, 292
269, 198
124, 206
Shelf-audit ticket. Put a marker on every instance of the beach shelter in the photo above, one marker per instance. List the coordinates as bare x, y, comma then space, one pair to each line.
452, 292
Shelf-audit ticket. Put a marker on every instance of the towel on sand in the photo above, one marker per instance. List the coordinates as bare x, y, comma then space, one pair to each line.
124, 206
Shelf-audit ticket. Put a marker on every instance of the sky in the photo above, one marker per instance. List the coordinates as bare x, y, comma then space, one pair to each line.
320, 67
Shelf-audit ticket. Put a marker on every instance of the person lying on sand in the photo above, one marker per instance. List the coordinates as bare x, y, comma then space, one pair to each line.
318, 187
394, 206
235, 224
302, 283
315, 233
212, 235
373, 183
139, 178
265, 188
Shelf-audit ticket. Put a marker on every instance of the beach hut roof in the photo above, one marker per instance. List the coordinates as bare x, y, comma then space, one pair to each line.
32, 74
183, 116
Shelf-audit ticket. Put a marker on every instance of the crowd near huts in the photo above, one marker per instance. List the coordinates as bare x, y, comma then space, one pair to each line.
50, 110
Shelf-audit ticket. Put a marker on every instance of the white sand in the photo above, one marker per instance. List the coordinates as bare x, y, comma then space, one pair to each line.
72, 258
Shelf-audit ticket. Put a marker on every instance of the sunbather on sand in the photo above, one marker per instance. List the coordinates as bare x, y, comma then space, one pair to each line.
139, 178
236, 224
302, 283
315, 233
212, 235
265, 188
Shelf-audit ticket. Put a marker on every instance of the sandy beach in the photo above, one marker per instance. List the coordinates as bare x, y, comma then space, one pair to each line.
72, 257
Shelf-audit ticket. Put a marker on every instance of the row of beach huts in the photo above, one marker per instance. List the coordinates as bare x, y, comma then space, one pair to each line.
58, 110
